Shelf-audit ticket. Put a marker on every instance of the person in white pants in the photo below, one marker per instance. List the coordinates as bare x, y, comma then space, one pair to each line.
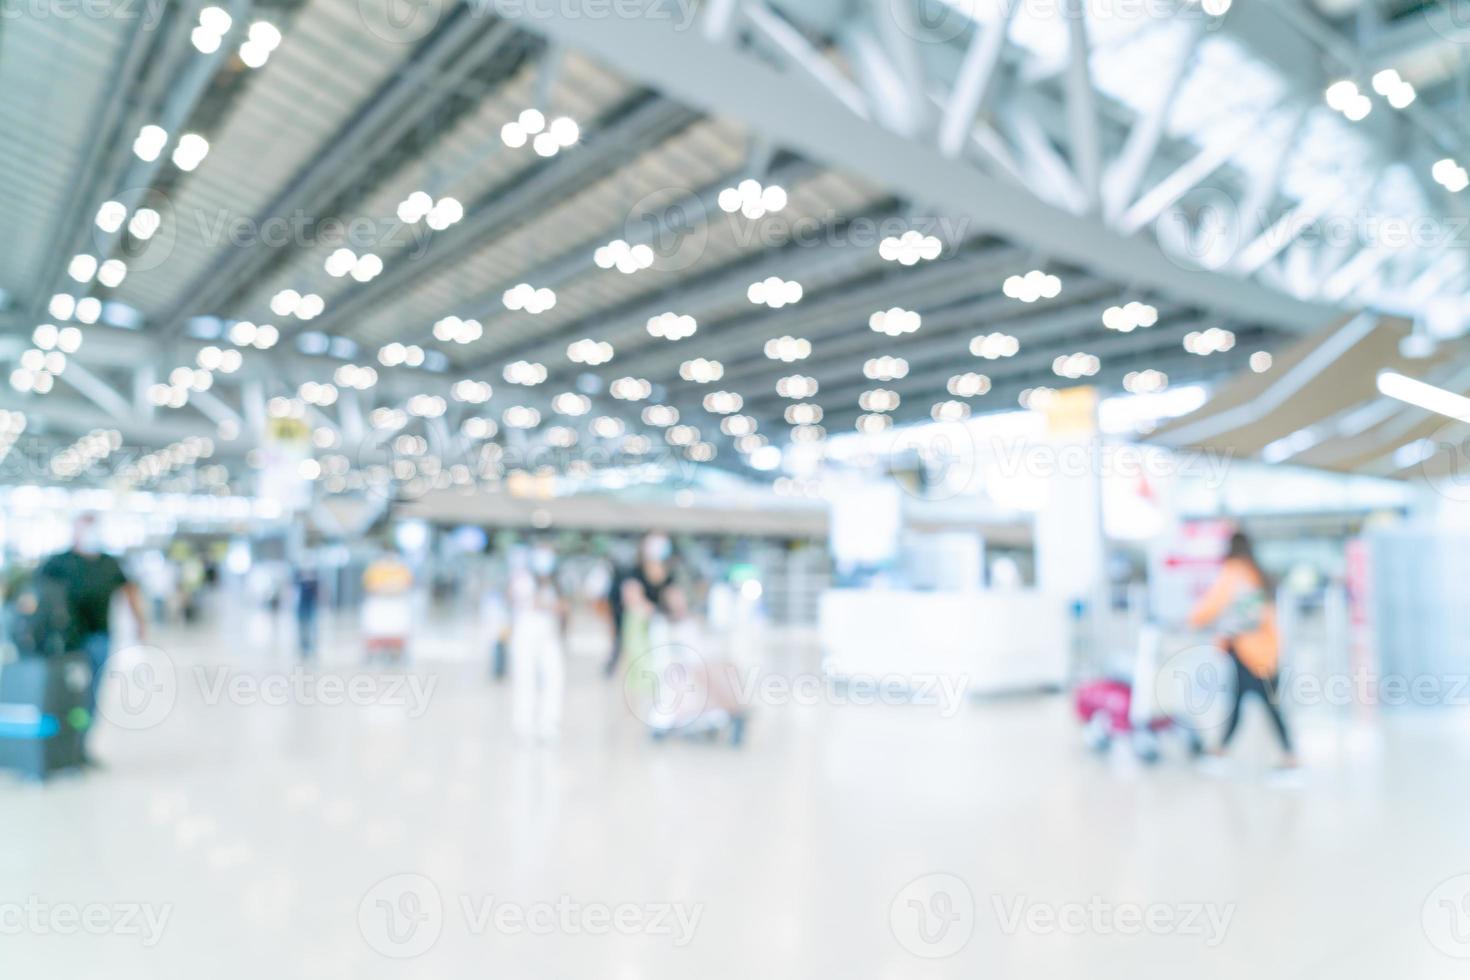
538, 674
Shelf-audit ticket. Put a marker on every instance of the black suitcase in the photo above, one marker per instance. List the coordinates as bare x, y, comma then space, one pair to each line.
43, 714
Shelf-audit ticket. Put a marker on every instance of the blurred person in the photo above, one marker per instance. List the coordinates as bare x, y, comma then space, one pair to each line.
191, 581
1240, 608
308, 604
158, 578
494, 622
88, 579
651, 574
537, 670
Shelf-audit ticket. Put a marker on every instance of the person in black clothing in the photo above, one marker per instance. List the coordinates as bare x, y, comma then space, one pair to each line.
87, 578
308, 601
652, 573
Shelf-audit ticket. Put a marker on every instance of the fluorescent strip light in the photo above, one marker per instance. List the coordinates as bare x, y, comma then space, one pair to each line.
1423, 395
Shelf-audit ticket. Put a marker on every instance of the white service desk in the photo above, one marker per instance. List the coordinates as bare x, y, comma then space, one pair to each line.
997, 641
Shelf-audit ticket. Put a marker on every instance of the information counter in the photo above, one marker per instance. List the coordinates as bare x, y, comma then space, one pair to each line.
997, 642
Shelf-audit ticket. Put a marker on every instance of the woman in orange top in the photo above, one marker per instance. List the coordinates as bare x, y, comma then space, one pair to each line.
1239, 605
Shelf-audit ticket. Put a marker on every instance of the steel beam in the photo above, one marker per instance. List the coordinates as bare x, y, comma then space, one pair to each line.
727, 82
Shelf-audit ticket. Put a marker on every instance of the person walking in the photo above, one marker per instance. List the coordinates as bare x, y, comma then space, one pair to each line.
537, 670
308, 603
88, 579
647, 579
1239, 606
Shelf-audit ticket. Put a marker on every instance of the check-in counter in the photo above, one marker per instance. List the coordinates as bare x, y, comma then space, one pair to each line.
996, 641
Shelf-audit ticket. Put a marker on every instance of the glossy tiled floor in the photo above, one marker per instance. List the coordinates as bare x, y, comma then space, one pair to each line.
241, 838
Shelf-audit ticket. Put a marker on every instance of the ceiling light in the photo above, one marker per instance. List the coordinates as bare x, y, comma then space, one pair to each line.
524, 373
774, 292
571, 403
803, 413
968, 385
737, 425
1450, 175
111, 215
524, 296
796, 386
62, 306
878, 400
910, 248
82, 267
565, 131
112, 272
285, 302
143, 224
949, 411
788, 349
660, 415
204, 40
630, 389
723, 402
89, 309
751, 199
1429, 397
190, 151
872, 424
215, 20
1126, 319
1034, 285
1146, 382
472, 392
895, 322
701, 371
1076, 366
590, 352
414, 207
993, 346
150, 142
366, 268
672, 326
445, 212
885, 368
1211, 341
627, 259
340, 262
1261, 361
